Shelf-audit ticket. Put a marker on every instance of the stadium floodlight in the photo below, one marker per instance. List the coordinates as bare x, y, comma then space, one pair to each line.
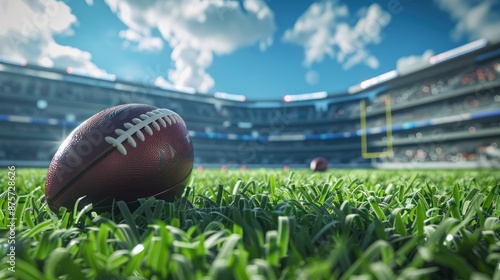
388, 128
245, 125
42, 104
70, 117
354, 89
379, 79
305, 96
287, 137
226, 123
228, 96
467, 48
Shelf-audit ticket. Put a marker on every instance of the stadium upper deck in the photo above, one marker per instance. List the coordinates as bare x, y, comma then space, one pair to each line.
447, 112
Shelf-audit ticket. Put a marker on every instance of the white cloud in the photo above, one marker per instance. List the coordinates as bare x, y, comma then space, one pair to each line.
66, 56
475, 19
90, 2
190, 65
162, 82
27, 30
358, 57
130, 35
323, 30
315, 29
312, 77
151, 44
35, 19
414, 62
143, 43
199, 29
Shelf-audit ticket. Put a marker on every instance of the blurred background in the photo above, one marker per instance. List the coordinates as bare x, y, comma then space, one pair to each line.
386, 84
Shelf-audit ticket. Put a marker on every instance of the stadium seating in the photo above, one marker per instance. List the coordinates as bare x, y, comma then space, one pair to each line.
445, 113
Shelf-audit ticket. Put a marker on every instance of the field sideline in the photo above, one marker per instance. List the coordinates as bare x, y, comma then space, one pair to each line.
266, 224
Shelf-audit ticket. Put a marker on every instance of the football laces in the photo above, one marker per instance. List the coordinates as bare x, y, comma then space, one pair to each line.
146, 122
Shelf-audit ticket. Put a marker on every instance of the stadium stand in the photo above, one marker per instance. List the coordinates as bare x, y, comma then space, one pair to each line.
447, 113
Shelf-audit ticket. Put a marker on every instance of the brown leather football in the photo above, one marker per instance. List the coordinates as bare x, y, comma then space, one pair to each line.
124, 153
319, 164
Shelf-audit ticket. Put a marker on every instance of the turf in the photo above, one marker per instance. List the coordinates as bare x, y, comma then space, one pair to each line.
267, 224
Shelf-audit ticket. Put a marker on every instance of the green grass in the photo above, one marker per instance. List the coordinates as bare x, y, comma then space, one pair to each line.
269, 224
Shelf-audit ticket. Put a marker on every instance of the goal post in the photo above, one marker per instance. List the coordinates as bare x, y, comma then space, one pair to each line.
388, 128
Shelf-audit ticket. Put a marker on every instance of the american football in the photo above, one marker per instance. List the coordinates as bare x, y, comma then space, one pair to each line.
319, 164
249, 139
116, 150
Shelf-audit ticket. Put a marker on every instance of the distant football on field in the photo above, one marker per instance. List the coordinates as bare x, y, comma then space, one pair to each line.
124, 153
319, 164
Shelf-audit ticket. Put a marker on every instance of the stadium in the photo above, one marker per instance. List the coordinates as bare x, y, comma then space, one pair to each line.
446, 115
169, 176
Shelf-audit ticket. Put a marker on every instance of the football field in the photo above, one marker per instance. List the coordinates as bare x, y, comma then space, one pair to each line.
264, 224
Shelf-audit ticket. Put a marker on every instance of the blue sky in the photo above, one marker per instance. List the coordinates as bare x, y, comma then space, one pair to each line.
262, 49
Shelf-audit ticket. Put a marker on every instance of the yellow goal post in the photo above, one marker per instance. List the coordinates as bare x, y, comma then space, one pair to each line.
388, 128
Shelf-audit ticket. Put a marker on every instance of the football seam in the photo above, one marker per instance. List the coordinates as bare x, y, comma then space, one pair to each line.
52, 200
163, 116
